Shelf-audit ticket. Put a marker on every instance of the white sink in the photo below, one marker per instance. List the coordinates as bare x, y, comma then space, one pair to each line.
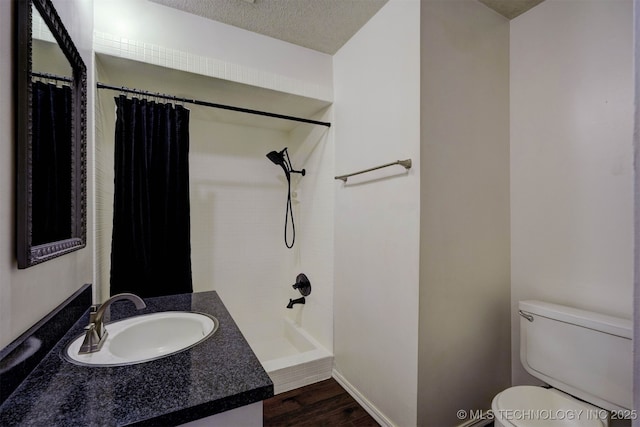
147, 337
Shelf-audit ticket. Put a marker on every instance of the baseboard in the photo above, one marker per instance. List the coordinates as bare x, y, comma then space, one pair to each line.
366, 404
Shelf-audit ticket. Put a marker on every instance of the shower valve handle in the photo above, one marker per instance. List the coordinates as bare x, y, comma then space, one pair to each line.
303, 285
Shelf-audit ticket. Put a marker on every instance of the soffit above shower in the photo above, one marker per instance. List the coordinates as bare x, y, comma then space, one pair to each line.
321, 25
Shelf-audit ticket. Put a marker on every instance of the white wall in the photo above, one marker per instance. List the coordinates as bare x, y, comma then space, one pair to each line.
28, 295
464, 229
571, 158
377, 216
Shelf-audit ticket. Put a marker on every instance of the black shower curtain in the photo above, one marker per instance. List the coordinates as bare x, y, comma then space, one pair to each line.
151, 245
51, 163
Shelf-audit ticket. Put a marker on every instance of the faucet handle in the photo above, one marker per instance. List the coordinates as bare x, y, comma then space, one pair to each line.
303, 285
92, 312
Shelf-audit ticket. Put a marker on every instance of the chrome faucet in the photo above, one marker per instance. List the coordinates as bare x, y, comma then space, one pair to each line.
96, 334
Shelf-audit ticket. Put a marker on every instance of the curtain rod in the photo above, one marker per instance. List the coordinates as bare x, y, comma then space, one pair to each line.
211, 104
52, 77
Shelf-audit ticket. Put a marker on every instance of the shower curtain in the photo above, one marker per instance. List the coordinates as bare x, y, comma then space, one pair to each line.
51, 162
151, 245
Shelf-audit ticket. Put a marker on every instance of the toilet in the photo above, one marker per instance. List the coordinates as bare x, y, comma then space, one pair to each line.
584, 357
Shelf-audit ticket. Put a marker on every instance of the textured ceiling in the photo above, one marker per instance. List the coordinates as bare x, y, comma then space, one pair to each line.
322, 25
511, 8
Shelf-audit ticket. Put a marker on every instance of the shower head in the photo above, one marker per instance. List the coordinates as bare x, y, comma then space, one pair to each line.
282, 159
277, 158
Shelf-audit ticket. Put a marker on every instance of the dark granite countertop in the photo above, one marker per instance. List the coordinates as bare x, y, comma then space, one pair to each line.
217, 375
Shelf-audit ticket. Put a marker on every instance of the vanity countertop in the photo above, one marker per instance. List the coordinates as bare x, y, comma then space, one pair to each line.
217, 375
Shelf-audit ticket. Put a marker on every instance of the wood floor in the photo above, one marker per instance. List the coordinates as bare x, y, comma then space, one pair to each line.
322, 404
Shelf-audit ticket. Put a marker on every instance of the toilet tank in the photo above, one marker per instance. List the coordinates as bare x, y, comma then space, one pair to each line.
587, 355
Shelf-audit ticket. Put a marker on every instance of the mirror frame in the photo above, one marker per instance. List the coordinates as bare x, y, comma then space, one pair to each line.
27, 254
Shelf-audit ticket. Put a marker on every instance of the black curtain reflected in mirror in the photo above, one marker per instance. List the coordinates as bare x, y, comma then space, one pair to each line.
51, 156
151, 245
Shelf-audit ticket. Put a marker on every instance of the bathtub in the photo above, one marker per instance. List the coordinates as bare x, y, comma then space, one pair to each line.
291, 357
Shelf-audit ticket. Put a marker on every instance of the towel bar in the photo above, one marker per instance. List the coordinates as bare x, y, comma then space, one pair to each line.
405, 163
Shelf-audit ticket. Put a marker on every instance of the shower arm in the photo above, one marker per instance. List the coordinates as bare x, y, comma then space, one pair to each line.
290, 166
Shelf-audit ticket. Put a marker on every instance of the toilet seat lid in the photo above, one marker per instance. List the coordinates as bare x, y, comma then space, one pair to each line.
531, 406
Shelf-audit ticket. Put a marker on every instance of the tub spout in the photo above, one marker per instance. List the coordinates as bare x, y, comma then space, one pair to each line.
295, 301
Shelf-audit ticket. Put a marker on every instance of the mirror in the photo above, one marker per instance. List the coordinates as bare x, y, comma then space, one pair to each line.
51, 108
